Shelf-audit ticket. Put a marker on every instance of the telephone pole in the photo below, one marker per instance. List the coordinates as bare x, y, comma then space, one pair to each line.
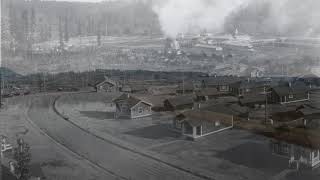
1, 86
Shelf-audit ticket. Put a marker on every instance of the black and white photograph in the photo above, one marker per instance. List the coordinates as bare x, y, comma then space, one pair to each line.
160, 90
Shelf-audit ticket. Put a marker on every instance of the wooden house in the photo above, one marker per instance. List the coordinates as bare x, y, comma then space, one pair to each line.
290, 93
208, 93
107, 85
196, 123
298, 155
221, 83
128, 106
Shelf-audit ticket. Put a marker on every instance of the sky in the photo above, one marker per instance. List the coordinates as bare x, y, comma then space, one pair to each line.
81, 0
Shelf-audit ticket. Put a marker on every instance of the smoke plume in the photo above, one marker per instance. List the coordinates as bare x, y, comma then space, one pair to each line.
272, 17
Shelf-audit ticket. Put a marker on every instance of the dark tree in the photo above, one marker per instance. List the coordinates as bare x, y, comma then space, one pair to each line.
22, 157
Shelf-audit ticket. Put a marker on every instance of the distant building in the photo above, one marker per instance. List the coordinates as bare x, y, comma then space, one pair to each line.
253, 100
208, 93
162, 90
298, 155
249, 87
133, 88
221, 83
128, 106
107, 85
178, 103
290, 93
195, 123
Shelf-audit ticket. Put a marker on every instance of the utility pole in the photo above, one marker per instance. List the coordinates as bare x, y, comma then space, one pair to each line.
0, 86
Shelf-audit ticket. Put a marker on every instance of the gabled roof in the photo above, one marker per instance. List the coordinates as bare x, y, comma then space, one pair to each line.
180, 100
197, 117
297, 88
252, 98
106, 80
132, 101
230, 109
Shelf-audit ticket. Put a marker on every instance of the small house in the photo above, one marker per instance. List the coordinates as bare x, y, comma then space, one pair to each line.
196, 123
290, 93
133, 88
208, 93
107, 85
297, 155
221, 83
178, 103
248, 87
128, 106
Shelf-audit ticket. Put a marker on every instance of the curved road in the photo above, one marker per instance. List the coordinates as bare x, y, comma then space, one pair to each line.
119, 161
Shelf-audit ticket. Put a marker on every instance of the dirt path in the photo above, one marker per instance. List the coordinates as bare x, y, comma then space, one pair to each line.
119, 160
56, 161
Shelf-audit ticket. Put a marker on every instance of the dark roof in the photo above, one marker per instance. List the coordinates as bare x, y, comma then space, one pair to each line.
132, 101
197, 117
209, 92
297, 88
180, 100
230, 109
252, 98
250, 84
306, 111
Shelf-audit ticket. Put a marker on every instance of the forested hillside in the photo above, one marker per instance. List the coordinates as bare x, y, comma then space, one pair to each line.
27, 22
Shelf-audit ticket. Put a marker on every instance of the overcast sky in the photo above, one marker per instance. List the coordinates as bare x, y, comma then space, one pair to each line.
82, 0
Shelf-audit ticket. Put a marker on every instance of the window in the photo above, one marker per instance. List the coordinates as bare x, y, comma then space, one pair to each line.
140, 110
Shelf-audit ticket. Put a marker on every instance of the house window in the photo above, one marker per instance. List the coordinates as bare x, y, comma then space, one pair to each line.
290, 96
140, 110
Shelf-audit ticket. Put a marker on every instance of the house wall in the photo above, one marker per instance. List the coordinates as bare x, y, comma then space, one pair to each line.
296, 154
208, 127
123, 109
141, 110
295, 97
315, 158
275, 98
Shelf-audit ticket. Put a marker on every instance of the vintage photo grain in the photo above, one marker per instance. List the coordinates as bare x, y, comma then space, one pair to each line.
160, 90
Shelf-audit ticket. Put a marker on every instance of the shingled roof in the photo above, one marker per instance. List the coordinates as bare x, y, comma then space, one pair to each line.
132, 101
197, 117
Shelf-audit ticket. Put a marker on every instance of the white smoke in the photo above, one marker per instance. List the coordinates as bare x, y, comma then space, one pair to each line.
280, 16
183, 16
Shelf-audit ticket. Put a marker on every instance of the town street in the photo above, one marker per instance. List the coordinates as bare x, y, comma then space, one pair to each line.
122, 162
